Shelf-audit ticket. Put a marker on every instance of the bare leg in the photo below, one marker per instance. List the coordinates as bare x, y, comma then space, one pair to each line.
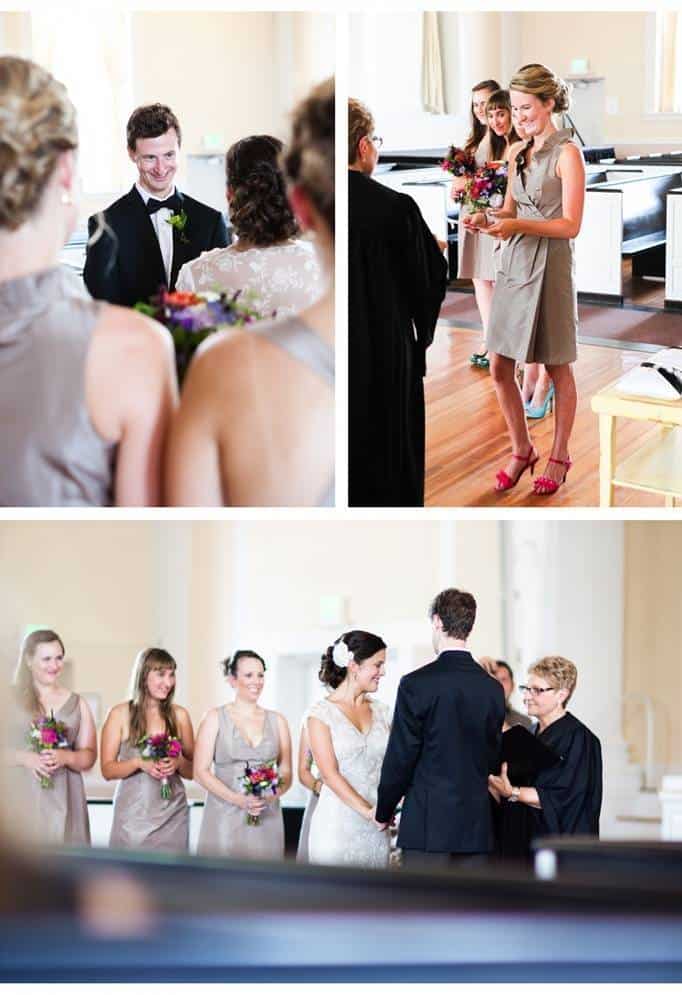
483, 292
542, 385
566, 399
502, 370
531, 374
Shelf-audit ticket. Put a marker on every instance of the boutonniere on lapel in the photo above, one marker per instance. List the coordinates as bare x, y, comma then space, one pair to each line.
179, 223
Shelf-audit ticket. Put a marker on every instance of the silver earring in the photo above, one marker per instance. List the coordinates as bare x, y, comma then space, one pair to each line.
66, 199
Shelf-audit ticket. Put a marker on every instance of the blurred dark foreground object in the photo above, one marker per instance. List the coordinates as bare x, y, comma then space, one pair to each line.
237, 921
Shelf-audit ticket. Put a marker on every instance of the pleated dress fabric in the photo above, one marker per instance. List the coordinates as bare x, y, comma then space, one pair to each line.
225, 831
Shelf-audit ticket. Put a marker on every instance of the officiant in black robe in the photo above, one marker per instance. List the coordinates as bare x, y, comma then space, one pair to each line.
559, 786
397, 279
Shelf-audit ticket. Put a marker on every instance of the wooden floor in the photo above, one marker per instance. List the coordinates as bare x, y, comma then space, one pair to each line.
466, 440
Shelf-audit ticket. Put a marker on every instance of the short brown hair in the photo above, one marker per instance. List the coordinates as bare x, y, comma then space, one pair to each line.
360, 123
559, 671
151, 121
456, 610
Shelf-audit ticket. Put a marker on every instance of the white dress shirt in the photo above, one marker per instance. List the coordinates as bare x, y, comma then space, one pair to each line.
164, 231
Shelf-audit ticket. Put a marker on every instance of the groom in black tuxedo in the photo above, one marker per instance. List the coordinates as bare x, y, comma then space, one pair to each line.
152, 230
445, 740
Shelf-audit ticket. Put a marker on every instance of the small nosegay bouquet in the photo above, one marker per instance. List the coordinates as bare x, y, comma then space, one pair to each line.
487, 187
160, 747
46, 733
259, 781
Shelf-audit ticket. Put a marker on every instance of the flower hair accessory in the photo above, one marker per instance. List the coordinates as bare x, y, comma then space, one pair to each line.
341, 655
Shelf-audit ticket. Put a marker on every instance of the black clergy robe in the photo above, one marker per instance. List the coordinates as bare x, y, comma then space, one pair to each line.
397, 279
565, 768
571, 791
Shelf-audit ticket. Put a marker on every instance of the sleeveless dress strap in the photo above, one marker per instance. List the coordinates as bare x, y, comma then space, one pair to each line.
303, 344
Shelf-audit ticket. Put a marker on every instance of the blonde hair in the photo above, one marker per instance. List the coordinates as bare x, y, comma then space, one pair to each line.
360, 123
559, 671
37, 123
146, 661
23, 678
542, 83
309, 158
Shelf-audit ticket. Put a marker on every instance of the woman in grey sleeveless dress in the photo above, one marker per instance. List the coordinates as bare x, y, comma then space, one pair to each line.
255, 425
229, 739
72, 434
475, 256
58, 813
142, 818
534, 314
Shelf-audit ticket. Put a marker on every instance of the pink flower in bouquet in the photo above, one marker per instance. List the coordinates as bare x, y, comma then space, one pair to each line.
46, 733
258, 781
160, 747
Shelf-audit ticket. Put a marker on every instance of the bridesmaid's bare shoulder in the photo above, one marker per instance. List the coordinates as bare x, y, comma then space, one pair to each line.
181, 712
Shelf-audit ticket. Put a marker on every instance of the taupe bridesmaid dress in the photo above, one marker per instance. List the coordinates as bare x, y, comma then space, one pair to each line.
224, 830
475, 255
142, 819
534, 313
58, 814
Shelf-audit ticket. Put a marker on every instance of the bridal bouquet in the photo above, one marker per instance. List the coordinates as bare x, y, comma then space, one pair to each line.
47, 734
259, 781
487, 187
160, 747
458, 162
190, 318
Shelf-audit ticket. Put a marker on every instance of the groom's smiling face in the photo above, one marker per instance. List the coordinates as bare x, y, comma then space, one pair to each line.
157, 162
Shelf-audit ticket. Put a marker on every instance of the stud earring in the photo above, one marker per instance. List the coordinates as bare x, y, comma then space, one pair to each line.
66, 199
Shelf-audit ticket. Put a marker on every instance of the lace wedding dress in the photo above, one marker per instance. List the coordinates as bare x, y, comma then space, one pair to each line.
283, 278
338, 834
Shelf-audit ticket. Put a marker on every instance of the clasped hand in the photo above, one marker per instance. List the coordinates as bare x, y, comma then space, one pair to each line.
381, 826
48, 762
158, 769
499, 785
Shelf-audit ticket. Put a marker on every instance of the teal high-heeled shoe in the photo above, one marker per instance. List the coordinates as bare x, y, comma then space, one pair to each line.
541, 410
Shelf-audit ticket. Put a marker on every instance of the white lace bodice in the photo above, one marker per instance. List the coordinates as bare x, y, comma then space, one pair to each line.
283, 278
338, 834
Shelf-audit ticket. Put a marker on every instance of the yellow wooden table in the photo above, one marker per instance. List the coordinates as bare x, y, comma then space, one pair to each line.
657, 465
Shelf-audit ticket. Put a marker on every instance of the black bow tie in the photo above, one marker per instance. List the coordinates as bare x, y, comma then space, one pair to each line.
173, 203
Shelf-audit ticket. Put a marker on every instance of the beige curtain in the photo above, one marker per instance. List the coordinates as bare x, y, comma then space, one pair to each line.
670, 58
92, 56
433, 99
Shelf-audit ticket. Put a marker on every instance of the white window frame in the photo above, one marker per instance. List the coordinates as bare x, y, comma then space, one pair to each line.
651, 81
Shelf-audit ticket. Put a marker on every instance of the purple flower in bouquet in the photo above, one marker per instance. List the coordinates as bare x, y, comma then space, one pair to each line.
46, 733
487, 187
191, 318
458, 162
159, 747
259, 781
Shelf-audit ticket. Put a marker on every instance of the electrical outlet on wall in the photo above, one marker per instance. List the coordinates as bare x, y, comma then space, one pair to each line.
612, 105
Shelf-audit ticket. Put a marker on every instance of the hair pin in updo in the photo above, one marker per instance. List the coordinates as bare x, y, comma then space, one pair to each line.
341, 655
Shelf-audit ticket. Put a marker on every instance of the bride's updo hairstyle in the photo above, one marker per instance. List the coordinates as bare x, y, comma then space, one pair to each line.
231, 663
542, 83
309, 158
259, 209
355, 645
37, 123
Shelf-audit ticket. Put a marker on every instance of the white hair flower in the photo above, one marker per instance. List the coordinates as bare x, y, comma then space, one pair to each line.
342, 656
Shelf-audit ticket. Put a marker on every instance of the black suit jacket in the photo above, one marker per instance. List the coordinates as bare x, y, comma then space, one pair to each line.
445, 740
125, 266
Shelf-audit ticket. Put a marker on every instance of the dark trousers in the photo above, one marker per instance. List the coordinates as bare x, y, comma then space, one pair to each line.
420, 859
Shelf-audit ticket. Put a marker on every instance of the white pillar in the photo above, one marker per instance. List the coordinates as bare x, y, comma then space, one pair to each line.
671, 802
173, 560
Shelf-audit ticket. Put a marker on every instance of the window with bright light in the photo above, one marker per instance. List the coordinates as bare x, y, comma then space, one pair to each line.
668, 63
91, 54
